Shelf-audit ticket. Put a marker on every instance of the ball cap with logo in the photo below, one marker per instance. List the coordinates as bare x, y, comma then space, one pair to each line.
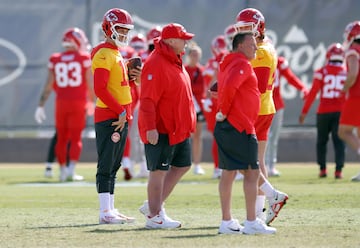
175, 30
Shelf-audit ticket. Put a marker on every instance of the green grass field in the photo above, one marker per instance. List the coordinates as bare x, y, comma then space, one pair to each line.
39, 212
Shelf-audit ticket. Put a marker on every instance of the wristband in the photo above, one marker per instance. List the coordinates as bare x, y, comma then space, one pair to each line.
123, 113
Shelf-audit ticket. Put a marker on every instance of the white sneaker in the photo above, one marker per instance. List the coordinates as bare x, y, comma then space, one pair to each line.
127, 219
109, 217
48, 172
160, 221
230, 228
217, 173
356, 178
144, 209
63, 174
198, 170
261, 215
75, 177
257, 227
239, 176
142, 174
273, 173
275, 205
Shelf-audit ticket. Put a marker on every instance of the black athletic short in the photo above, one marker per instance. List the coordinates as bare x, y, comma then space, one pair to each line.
162, 155
237, 150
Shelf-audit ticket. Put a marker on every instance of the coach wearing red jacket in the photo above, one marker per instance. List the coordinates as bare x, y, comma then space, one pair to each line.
166, 120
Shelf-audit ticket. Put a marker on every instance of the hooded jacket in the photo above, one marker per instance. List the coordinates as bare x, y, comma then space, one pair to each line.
166, 98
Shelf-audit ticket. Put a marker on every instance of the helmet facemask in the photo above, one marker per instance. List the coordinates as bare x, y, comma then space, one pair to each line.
120, 39
247, 27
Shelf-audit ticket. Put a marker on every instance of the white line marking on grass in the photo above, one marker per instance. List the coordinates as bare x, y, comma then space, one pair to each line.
90, 184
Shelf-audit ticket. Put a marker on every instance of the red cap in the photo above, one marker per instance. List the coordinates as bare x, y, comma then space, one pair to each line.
175, 30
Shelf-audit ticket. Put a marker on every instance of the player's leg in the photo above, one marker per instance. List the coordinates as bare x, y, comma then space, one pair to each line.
339, 146
197, 146
323, 130
272, 143
50, 159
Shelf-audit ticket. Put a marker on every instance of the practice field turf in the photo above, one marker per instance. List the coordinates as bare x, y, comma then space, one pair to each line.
39, 212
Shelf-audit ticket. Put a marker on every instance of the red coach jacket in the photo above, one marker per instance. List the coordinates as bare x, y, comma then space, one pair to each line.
166, 98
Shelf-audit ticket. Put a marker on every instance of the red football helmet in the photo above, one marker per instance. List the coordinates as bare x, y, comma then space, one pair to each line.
351, 33
114, 18
229, 34
138, 42
153, 33
250, 20
75, 37
218, 45
335, 52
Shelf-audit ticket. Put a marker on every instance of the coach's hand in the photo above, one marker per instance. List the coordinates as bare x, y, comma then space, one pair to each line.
152, 136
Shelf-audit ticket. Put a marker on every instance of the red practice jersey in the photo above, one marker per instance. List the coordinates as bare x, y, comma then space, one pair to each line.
329, 80
69, 69
197, 82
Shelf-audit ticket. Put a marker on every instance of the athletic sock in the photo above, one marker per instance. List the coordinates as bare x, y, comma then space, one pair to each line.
112, 202
260, 204
104, 200
268, 189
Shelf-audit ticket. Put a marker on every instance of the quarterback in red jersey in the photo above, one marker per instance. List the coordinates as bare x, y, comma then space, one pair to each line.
329, 80
350, 117
282, 71
69, 76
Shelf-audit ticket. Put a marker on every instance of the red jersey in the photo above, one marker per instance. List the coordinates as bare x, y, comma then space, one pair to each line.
354, 90
283, 70
329, 80
69, 69
197, 82
211, 69
166, 98
238, 92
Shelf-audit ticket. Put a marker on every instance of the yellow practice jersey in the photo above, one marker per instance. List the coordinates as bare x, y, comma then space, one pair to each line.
266, 57
118, 83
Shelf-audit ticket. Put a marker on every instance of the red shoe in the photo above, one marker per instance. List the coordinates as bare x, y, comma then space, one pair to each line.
322, 174
127, 174
338, 175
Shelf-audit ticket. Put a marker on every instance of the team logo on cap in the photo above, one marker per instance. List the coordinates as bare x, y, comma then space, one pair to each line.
115, 137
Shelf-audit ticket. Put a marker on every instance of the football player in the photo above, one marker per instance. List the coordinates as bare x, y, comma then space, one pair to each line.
329, 80
69, 75
350, 117
113, 109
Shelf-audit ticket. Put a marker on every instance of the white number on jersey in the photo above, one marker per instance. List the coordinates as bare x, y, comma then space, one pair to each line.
68, 74
333, 85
